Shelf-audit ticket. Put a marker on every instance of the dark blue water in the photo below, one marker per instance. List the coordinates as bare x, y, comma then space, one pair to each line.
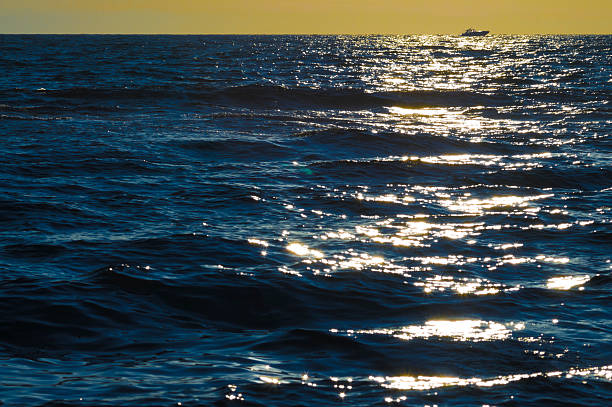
274, 220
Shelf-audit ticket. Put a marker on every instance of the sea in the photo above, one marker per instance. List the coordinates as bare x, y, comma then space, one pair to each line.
305, 220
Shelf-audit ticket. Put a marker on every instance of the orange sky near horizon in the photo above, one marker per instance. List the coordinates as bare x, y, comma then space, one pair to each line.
306, 17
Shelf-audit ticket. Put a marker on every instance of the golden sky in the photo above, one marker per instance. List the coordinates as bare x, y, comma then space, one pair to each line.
306, 17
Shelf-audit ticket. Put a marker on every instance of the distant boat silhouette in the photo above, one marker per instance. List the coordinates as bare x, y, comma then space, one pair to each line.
470, 32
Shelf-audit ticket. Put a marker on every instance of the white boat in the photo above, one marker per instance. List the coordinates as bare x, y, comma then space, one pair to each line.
470, 32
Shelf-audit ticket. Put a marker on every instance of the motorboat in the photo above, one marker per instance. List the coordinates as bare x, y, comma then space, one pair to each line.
470, 32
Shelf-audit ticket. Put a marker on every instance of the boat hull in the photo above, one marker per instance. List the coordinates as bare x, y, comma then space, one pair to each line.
475, 34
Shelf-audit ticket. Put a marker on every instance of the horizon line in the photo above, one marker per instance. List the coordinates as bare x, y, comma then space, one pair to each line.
288, 34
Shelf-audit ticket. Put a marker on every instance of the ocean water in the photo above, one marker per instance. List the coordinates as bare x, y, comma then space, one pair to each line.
305, 220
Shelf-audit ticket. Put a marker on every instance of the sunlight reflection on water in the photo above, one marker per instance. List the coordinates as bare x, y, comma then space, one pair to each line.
432, 382
567, 282
459, 330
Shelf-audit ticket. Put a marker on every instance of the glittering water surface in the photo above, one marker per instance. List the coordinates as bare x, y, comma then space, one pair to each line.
277, 220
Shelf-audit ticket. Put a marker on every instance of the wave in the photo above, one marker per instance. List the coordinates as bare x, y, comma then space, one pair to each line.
346, 98
600, 281
353, 140
237, 149
112, 94
581, 179
34, 250
512, 80
564, 95
280, 97
268, 96
391, 171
